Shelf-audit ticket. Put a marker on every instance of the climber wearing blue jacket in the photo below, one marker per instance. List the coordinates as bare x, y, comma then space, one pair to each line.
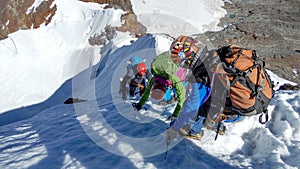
185, 52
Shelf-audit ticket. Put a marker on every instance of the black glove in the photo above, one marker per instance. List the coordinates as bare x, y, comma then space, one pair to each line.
171, 118
137, 106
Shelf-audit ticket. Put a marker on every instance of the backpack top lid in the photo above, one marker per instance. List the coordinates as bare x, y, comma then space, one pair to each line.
134, 61
242, 59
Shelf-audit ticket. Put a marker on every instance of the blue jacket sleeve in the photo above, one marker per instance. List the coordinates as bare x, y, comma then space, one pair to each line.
197, 97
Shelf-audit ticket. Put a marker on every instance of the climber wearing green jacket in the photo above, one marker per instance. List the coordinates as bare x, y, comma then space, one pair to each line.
166, 76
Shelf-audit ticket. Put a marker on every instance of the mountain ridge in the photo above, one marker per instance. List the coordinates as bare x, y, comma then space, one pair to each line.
264, 26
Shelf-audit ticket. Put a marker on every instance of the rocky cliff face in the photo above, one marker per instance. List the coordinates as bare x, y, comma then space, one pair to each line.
130, 20
269, 27
17, 14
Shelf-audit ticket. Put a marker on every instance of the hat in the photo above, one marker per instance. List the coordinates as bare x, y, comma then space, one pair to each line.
183, 49
141, 68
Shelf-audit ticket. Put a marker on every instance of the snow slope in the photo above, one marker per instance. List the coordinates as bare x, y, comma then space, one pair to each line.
177, 17
35, 63
104, 132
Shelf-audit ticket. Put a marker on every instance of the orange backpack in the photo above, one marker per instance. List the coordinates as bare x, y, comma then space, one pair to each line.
249, 89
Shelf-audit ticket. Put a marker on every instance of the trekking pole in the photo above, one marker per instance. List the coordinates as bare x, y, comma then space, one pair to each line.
134, 109
167, 143
134, 113
218, 129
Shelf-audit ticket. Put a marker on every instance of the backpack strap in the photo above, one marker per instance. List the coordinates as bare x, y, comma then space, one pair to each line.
228, 85
237, 75
198, 58
258, 87
250, 85
238, 56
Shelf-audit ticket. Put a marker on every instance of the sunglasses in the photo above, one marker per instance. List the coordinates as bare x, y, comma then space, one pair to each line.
140, 76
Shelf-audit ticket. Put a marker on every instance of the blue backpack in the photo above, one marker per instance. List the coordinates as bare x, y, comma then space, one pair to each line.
134, 61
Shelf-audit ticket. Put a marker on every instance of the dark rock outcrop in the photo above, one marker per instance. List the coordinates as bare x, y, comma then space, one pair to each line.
130, 20
289, 87
73, 100
269, 27
14, 15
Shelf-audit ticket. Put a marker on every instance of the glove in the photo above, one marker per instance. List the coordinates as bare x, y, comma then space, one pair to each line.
171, 134
137, 106
171, 118
141, 86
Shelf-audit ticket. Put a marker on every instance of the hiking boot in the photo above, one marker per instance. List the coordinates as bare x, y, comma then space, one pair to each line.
197, 136
222, 130
184, 130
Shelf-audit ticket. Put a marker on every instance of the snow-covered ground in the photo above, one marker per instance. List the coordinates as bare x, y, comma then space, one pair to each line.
35, 63
179, 16
104, 132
